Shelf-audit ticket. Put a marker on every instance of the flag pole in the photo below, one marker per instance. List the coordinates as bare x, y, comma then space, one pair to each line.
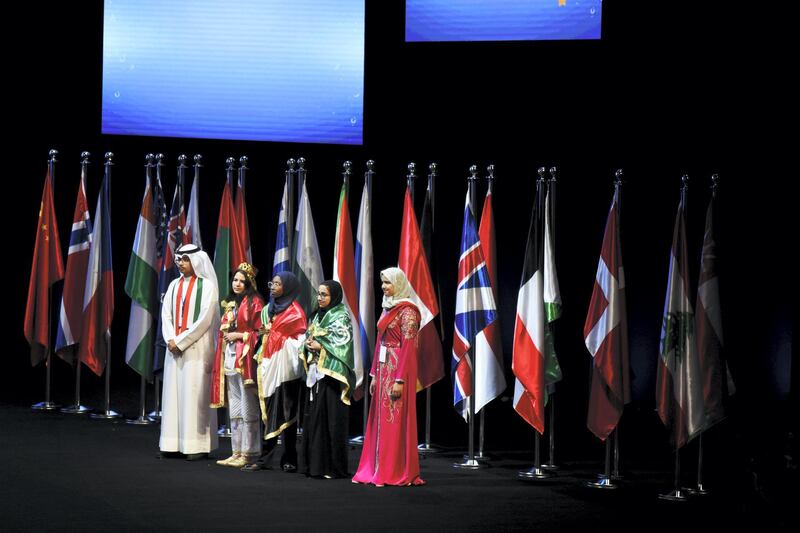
47, 405
426, 447
551, 432
290, 175
678, 494
155, 414
107, 413
470, 462
77, 408
301, 183
606, 479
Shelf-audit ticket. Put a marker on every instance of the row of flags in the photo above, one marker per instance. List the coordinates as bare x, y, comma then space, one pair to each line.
692, 377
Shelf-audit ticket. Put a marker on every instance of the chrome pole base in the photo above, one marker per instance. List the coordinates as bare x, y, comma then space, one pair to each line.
699, 490
676, 495
356, 441
105, 415
427, 448
483, 459
469, 464
603, 482
549, 467
141, 421
224, 432
155, 415
534, 474
45, 406
77, 409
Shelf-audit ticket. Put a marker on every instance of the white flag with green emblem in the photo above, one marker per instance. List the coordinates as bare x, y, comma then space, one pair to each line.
308, 263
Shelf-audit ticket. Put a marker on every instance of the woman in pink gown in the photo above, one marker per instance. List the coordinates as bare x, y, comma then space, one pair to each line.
389, 455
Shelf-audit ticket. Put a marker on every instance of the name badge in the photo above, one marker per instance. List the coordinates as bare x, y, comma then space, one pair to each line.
382, 354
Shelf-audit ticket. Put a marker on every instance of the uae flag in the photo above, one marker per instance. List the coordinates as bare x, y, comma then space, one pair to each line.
679, 388
606, 334
229, 251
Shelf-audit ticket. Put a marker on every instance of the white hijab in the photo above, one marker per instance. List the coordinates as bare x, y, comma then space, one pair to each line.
402, 289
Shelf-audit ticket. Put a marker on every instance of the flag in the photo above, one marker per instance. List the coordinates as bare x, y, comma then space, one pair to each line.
282, 259
344, 272
475, 310
414, 263
47, 268
141, 286
606, 334
192, 230
167, 234
679, 388
365, 277
492, 382
716, 379
80, 239
229, 250
533, 360
241, 218
308, 263
98, 297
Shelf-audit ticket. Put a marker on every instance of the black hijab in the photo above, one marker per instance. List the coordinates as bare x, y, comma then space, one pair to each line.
291, 290
335, 289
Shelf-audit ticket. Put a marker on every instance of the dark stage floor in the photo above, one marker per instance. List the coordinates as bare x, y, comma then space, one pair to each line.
69, 473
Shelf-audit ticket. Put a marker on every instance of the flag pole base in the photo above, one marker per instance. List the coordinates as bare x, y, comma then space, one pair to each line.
105, 415
483, 459
427, 448
155, 415
76, 409
141, 421
604, 482
535, 473
45, 406
469, 464
699, 490
356, 441
549, 467
224, 432
676, 495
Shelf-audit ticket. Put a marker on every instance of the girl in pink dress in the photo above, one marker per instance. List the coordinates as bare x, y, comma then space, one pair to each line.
389, 455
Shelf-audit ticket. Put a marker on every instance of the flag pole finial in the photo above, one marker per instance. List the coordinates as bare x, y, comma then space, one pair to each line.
85, 158
230, 162
148, 160
618, 176
473, 173
553, 171
432, 167
685, 181
160, 160
109, 156
541, 171
370, 166
182, 160
52, 154
301, 162
290, 165
411, 176
198, 160
243, 162
346, 167
490, 173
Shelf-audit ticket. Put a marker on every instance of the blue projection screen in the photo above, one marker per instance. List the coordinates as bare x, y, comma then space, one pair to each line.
262, 70
502, 20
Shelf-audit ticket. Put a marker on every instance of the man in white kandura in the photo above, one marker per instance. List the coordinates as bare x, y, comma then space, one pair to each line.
189, 323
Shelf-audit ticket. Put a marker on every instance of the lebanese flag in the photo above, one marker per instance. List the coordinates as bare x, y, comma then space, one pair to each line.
344, 272
606, 334
414, 263
47, 268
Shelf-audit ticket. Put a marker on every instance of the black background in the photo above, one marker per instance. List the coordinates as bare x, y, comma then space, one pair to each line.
672, 88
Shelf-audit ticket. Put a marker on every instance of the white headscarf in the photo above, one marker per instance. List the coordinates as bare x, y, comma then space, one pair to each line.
402, 289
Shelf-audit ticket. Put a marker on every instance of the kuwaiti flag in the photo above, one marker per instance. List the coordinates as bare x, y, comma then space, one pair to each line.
229, 250
534, 363
414, 263
141, 287
475, 309
717, 380
80, 239
241, 217
98, 298
606, 334
492, 383
308, 263
46, 269
365, 279
679, 385
344, 272
281, 261
192, 230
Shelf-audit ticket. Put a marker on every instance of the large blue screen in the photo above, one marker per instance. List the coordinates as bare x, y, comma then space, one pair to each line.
264, 70
502, 20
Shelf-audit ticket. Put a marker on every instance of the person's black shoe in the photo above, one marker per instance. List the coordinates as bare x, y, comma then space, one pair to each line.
253, 467
288, 467
196, 456
169, 455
